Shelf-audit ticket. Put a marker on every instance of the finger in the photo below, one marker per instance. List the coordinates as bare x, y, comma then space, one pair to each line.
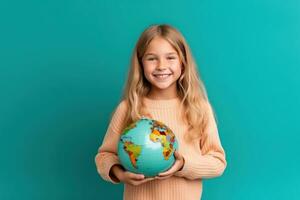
136, 176
169, 171
147, 179
172, 170
178, 155
138, 182
144, 180
163, 177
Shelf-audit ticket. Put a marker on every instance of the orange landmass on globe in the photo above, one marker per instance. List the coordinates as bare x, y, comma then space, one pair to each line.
133, 151
165, 136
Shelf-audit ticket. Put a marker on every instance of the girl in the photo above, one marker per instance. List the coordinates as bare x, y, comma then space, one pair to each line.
163, 84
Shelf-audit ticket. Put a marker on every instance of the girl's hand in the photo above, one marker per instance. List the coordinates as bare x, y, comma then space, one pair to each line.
129, 177
178, 165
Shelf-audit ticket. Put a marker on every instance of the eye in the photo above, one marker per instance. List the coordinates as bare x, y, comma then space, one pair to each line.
171, 58
150, 59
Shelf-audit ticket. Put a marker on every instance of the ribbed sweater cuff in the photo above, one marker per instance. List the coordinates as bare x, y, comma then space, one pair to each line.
107, 161
206, 166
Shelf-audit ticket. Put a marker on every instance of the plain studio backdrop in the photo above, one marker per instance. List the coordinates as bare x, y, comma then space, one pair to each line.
63, 65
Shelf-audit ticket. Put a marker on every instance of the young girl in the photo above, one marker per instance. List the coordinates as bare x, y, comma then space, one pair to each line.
163, 84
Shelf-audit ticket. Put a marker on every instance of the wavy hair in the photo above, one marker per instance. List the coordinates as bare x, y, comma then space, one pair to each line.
194, 101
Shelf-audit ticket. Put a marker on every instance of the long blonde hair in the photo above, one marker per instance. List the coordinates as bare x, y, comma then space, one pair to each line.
191, 89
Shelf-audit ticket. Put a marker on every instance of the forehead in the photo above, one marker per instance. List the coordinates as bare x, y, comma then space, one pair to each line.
159, 45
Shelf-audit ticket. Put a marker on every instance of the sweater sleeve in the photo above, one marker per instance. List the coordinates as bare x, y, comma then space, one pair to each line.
211, 163
106, 156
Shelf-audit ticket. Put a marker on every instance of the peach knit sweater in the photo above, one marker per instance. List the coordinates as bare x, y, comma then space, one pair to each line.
203, 159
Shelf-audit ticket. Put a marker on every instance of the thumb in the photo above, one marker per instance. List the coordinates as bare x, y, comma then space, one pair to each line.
177, 155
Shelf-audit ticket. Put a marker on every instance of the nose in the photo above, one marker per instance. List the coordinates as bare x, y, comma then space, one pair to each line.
161, 64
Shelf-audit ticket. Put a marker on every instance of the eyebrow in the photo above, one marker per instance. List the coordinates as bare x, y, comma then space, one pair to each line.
170, 53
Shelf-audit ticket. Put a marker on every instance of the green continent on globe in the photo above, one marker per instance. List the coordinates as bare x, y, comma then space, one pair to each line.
164, 135
133, 151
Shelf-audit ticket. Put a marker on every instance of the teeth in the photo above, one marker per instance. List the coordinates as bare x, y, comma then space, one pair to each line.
162, 76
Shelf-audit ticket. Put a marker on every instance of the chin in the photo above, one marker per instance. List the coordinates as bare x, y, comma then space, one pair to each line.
162, 87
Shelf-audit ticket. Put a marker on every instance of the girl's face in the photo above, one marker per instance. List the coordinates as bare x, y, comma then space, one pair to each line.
162, 67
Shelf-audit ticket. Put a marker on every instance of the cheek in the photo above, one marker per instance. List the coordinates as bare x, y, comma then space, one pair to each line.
148, 67
147, 72
177, 67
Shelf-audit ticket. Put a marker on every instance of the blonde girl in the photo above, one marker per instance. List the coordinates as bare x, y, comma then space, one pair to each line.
164, 84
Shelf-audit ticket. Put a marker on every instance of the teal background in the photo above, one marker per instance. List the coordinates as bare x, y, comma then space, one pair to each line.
63, 65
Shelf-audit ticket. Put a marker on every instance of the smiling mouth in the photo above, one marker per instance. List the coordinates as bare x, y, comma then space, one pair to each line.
161, 75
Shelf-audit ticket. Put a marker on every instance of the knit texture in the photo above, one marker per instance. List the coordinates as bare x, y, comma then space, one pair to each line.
204, 158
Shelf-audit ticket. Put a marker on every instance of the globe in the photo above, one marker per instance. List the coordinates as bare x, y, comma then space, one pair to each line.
147, 147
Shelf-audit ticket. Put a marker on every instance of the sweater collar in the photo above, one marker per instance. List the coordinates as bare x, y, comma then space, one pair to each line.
161, 103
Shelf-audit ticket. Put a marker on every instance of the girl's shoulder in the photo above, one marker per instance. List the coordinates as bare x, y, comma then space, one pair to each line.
122, 106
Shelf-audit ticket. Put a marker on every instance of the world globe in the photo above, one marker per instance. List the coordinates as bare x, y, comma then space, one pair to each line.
147, 147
